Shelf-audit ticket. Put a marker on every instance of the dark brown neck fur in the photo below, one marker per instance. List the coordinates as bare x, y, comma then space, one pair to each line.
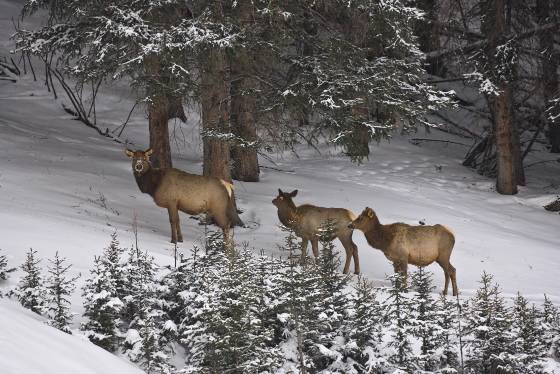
377, 235
149, 181
287, 214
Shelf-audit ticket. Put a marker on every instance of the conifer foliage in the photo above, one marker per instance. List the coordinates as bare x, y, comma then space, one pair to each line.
30, 290
4, 269
59, 288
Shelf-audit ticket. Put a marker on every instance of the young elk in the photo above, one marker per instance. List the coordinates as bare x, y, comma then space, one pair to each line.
193, 194
306, 221
403, 244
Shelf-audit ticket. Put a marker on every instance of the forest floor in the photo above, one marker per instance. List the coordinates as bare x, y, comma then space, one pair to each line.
65, 188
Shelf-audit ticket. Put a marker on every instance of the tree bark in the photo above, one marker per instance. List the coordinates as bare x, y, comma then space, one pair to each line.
159, 133
245, 162
158, 117
494, 26
549, 66
215, 114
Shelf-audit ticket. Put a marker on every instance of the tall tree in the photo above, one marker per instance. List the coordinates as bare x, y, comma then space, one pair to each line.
245, 163
497, 54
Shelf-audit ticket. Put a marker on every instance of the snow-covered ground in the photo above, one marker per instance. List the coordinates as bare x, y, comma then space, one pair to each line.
65, 188
28, 345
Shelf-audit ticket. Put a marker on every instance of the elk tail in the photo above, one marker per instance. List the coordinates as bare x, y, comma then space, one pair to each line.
232, 209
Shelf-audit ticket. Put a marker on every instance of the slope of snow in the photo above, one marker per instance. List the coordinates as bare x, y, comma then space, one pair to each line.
29, 346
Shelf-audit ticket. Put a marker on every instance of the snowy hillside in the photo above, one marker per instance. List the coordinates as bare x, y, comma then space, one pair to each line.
65, 188
28, 346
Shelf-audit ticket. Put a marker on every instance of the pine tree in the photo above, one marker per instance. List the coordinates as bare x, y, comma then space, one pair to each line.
152, 352
332, 302
30, 290
528, 343
111, 259
447, 319
426, 326
489, 321
102, 307
364, 329
399, 321
4, 270
550, 324
59, 289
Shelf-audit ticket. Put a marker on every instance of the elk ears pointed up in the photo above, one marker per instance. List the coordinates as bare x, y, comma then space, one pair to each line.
129, 153
369, 212
293, 193
149, 152
280, 192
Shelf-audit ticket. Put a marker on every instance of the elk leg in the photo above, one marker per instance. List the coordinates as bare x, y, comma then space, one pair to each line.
401, 267
304, 243
453, 274
445, 267
315, 247
173, 219
178, 229
228, 243
349, 248
356, 259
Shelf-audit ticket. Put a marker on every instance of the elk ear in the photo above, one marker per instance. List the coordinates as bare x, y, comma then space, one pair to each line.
149, 152
129, 153
369, 212
293, 193
280, 192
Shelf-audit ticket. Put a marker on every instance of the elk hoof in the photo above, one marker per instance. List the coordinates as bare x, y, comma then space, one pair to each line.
173, 241
180, 240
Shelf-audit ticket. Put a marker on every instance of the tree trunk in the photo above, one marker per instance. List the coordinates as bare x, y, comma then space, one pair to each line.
215, 115
158, 117
549, 65
506, 183
245, 166
159, 133
494, 26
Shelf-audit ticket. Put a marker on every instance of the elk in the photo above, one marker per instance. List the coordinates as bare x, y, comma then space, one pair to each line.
177, 191
307, 220
404, 244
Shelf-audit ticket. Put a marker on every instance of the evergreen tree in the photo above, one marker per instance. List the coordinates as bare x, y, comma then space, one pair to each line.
550, 324
399, 320
528, 344
30, 290
333, 302
111, 259
102, 307
4, 270
489, 322
447, 319
59, 289
426, 325
364, 329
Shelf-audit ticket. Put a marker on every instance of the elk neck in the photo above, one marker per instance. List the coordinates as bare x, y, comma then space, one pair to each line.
287, 214
149, 181
377, 235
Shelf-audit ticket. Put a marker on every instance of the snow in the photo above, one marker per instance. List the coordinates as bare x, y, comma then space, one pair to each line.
29, 346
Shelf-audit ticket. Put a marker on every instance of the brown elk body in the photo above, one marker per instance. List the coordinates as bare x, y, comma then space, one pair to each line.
177, 190
404, 244
307, 220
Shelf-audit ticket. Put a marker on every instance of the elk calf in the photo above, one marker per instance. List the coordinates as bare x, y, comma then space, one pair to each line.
177, 191
306, 221
404, 244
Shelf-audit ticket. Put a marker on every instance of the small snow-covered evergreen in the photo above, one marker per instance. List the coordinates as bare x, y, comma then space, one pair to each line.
30, 290
364, 330
59, 288
399, 321
426, 325
4, 269
102, 307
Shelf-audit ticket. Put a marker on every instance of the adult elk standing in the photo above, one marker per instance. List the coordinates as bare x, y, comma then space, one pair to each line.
404, 244
190, 193
306, 221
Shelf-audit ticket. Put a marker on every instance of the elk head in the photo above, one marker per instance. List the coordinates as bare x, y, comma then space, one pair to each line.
140, 160
363, 220
284, 198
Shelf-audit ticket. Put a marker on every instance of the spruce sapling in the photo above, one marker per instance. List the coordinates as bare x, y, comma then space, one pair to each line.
30, 290
59, 289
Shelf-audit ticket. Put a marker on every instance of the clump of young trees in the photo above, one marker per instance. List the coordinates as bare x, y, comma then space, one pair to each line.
234, 311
